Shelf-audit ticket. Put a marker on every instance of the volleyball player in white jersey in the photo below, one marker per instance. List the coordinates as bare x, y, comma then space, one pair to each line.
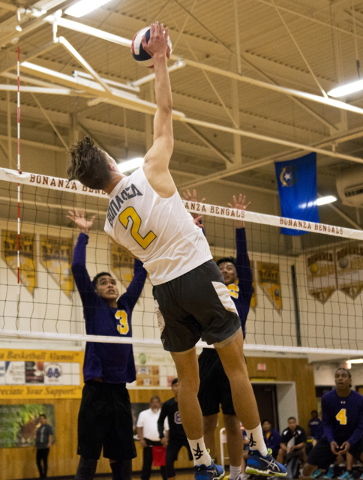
146, 215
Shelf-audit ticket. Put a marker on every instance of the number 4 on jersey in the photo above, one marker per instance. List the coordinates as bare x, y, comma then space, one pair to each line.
342, 417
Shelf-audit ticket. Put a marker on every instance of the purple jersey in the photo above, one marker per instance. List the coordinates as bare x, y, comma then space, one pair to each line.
342, 417
114, 362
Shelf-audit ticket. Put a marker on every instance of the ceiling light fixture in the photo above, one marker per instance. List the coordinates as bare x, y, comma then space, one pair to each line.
84, 6
347, 89
325, 200
130, 164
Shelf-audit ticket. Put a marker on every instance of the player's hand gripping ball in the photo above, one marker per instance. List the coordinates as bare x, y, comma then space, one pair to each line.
139, 54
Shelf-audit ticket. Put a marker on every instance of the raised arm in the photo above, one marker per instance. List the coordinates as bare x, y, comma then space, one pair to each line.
243, 267
133, 292
156, 162
79, 270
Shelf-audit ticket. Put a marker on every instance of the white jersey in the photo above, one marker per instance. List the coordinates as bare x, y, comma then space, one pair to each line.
158, 231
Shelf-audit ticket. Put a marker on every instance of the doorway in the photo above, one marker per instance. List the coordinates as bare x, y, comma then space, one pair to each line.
266, 398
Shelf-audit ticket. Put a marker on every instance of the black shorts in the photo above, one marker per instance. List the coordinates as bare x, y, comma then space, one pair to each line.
105, 420
322, 456
193, 306
215, 388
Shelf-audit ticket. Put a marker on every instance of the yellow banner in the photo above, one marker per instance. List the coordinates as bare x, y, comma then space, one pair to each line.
17, 355
269, 282
56, 258
13, 392
122, 264
28, 274
350, 270
321, 275
40, 374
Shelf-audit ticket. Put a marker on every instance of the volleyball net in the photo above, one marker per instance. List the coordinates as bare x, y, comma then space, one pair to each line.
308, 289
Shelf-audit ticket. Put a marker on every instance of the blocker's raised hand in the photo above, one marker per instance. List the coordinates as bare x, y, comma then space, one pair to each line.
79, 219
240, 205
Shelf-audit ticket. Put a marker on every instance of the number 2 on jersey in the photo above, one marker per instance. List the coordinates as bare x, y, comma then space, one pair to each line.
341, 416
131, 214
123, 327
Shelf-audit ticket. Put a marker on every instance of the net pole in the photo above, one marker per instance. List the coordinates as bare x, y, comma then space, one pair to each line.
19, 171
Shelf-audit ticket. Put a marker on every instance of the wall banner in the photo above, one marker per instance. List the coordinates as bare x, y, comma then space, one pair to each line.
28, 274
56, 258
269, 282
350, 270
321, 275
19, 424
40, 374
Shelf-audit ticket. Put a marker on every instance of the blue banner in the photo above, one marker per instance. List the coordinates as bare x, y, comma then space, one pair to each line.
296, 180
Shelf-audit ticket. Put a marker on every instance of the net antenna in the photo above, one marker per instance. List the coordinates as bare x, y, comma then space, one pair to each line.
19, 191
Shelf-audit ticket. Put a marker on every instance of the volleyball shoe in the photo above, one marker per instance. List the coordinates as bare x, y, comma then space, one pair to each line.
267, 466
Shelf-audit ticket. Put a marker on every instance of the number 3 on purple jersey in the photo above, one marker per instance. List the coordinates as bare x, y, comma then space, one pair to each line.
123, 328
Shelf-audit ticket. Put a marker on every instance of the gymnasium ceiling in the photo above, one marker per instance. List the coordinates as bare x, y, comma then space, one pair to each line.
231, 121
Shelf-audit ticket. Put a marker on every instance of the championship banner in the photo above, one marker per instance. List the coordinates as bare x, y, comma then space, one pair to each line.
122, 264
56, 258
19, 424
350, 270
40, 374
321, 275
28, 273
269, 282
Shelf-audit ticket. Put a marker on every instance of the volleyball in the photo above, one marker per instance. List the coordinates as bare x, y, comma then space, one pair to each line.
139, 54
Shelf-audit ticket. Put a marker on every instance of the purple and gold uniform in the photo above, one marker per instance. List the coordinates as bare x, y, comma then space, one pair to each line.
342, 422
105, 419
114, 362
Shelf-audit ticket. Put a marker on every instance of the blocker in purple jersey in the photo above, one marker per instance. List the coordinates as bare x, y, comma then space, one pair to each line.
139, 54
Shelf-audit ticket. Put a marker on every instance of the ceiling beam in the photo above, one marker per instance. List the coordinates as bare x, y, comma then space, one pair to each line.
76, 26
309, 18
126, 100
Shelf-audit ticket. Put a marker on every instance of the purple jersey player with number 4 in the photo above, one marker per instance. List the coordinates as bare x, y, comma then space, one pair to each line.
343, 425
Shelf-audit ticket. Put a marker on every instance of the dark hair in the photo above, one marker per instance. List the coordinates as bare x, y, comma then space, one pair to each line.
266, 420
154, 397
342, 368
314, 411
43, 415
291, 418
102, 274
174, 381
89, 165
226, 259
